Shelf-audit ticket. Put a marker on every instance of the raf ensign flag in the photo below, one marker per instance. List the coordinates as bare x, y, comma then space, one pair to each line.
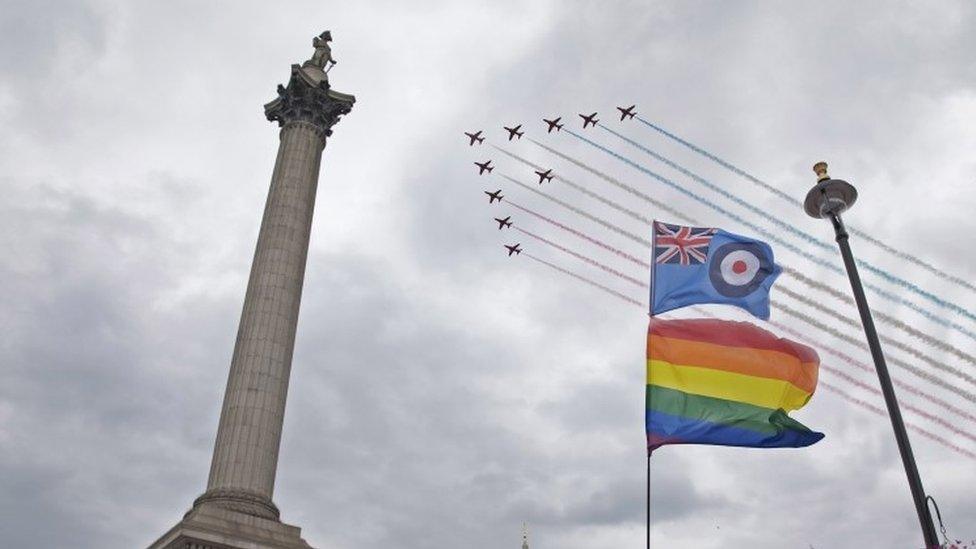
693, 265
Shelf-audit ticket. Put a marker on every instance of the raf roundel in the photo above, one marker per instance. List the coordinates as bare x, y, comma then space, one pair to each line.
738, 268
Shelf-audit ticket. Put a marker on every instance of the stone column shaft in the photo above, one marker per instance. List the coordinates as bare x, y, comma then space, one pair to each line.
246, 451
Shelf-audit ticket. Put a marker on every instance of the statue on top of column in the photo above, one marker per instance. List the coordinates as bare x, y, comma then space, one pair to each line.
323, 52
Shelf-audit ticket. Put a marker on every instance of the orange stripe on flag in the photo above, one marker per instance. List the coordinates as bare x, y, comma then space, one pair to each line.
763, 363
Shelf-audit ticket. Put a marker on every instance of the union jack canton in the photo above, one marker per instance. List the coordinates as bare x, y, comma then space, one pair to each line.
677, 245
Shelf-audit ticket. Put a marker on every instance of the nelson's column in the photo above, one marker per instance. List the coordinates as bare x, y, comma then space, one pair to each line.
237, 511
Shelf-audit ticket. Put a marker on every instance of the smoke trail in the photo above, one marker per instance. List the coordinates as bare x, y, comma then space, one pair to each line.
581, 278
615, 182
881, 412
582, 189
886, 339
723, 163
933, 418
643, 241
801, 337
585, 237
864, 367
818, 285
861, 345
933, 341
817, 324
891, 278
582, 257
856, 232
882, 316
887, 295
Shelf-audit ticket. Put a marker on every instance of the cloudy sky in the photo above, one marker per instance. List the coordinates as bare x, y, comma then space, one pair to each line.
442, 393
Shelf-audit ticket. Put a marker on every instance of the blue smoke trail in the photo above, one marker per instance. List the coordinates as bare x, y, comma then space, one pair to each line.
856, 232
790, 228
887, 295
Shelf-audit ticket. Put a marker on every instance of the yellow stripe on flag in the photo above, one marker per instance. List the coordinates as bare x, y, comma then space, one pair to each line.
759, 391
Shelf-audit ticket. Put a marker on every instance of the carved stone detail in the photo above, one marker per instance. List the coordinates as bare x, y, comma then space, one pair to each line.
309, 98
241, 501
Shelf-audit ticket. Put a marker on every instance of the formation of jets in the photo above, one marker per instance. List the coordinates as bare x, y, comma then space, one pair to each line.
484, 167
547, 175
629, 112
544, 176
553, 124
591, 120
497, 195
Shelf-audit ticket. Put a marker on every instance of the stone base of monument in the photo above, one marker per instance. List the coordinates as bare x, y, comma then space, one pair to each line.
213, 527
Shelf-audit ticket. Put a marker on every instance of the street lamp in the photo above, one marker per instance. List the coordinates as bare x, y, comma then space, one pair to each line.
828, 199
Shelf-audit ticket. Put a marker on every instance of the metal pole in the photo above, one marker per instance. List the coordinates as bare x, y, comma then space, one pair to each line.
901, 435
648, 501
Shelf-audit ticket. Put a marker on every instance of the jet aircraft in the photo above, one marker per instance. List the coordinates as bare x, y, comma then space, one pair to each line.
484, 167
514, 133
492, 197
502, 223
513, 249
553, 124
475, 138
544, 176
629, 112
591, 120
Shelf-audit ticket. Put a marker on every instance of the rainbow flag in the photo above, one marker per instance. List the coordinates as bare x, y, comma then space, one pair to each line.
726, 383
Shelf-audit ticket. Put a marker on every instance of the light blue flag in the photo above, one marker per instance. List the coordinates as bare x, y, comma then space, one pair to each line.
693, 265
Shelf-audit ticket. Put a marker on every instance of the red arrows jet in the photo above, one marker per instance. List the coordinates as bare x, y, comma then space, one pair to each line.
591, 120
553, 124
514, 249
484, 167
629, 112
502, 223
492, 197
514, 133
474, 137
544, 176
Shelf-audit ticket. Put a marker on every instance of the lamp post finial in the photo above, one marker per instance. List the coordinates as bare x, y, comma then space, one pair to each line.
820, 168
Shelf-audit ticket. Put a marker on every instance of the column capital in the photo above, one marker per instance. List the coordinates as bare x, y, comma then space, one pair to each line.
309, 98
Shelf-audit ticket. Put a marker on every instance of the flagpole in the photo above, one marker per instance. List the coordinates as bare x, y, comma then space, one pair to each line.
829, 198
648, 500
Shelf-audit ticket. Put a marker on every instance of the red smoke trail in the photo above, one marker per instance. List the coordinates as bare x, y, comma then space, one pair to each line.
626, 211
572, 231
882, 316
582, 257
582, 278
910, 349
832, 312
864, 367
615, 182
881, 412
893, 360
888, 319
936, 419
821, 383
574, 209
924, 375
